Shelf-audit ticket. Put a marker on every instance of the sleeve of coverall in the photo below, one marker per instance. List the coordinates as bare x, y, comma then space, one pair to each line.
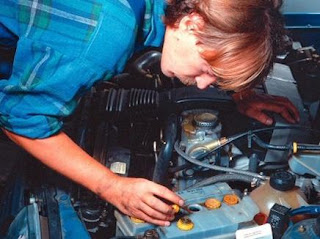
63, 48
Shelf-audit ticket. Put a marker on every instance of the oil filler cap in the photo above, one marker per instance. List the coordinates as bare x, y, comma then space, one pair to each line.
282, 181
206, 120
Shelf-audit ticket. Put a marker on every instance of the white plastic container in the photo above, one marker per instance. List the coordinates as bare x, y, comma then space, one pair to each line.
280, 189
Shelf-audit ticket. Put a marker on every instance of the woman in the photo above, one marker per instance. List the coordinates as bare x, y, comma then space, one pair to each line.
64, 47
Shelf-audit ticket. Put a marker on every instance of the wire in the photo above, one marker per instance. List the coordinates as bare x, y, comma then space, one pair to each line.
311, 209
295, 147
235, 137
214, 167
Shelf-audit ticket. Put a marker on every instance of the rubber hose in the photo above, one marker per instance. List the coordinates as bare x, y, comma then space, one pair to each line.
162, 165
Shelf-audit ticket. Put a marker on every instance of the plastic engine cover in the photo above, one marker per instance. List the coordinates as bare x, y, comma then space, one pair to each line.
222, 222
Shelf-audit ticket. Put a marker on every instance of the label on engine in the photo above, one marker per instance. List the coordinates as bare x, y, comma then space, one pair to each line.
118, 167
260, 232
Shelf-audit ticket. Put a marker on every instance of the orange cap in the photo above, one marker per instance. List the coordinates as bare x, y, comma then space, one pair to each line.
230, 199
212, 203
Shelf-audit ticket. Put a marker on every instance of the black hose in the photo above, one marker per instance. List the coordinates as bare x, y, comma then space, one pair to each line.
225, 178
254, 163
162, 165
308, 147
265, 145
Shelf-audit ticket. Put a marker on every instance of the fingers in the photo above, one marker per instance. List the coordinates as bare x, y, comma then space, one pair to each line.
168, 195
157, 222
143, 200
137, 208
149, 215
158, 205
290, 107
257, 115
149, 219
277, 108
156, 215
254, 107
289, 117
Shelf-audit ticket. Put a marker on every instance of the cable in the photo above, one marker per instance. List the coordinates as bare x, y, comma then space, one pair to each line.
214, 167
311, 209
232, 138
294, 146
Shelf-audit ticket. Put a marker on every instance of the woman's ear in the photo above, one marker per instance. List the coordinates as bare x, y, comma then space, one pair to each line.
191, 22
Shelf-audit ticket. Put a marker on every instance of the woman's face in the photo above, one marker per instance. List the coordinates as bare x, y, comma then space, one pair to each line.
181, 56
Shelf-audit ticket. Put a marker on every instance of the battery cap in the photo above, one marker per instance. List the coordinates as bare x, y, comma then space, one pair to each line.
230, 199
185, 224
212, 203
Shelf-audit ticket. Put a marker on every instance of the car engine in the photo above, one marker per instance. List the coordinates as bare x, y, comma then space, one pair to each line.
239, 178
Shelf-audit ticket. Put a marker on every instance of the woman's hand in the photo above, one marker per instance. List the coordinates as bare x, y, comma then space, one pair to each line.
254, 105
142, 199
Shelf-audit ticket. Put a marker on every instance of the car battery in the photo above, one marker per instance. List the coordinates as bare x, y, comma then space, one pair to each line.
214, 211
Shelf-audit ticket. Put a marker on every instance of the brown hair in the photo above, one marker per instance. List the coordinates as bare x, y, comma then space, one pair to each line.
244, 36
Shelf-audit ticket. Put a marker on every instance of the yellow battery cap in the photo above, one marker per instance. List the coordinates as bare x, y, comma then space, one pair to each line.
175, 208
230, 199
185, 224
136, 220
212, 203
